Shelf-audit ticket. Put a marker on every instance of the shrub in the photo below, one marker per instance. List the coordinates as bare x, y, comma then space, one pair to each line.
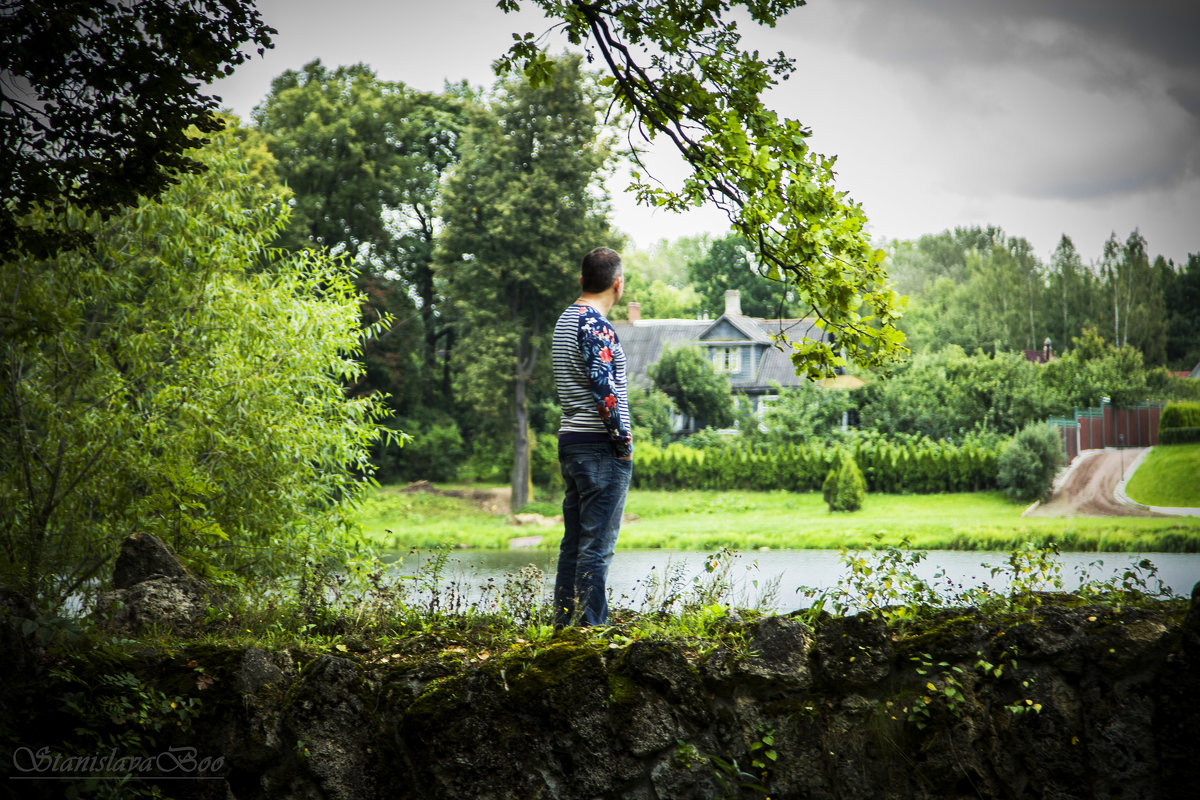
844, 488
1026, 467
1179, 415
1179, 435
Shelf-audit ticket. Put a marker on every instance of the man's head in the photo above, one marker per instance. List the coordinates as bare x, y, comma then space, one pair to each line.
600, 269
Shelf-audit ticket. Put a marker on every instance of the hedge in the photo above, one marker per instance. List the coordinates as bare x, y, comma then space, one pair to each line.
1179, 415
1179, 435
921, 467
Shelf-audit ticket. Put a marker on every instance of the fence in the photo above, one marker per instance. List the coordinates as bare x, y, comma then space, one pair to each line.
1108, 426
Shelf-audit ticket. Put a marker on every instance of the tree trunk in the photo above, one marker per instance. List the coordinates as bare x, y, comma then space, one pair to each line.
522, 478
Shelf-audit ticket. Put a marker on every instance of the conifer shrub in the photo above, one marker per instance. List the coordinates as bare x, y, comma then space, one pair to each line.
845, 489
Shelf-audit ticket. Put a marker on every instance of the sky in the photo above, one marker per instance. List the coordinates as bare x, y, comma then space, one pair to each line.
1042, 117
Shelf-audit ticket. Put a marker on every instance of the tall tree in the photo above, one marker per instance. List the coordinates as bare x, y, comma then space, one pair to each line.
100, 102
366, 159
681, 73
730, 264
1182, 293
519, 212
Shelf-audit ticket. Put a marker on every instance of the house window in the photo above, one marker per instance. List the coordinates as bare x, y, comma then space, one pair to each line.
727, 359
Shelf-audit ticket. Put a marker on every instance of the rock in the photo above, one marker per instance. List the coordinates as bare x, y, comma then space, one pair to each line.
326, 719
854, 651
154, 590
144, 556
175, 604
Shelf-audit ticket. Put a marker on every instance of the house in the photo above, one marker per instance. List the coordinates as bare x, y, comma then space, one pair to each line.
738, 346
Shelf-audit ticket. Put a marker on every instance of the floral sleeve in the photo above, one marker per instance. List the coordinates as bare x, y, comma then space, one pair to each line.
596, 340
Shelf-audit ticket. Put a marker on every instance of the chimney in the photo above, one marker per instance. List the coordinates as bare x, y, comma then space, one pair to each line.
733, 303
635, 312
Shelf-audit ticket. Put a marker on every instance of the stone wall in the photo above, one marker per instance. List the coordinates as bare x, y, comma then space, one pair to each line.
1064, 702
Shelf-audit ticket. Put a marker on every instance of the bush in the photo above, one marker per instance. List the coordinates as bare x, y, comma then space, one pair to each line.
844, 488
1026, 467
1179, 435
1179, 415
434, 453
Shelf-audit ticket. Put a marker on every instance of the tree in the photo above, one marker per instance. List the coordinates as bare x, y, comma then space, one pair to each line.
728, 264
366, 159
651, 411
157, 380
519, 211
802, 414
1093, 369
100, 103
680, 73
686, 376
1182, 293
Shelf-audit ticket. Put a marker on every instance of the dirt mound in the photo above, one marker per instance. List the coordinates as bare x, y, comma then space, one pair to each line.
1089, 488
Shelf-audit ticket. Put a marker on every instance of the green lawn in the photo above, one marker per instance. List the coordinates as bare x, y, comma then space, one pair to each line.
749, 520
1168, 476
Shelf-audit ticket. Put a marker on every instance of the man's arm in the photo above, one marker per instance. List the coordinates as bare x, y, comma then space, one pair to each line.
596, 338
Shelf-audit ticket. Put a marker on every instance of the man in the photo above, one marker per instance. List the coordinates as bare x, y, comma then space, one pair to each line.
595, 443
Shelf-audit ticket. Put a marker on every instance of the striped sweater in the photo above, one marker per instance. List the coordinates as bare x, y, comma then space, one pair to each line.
589, 374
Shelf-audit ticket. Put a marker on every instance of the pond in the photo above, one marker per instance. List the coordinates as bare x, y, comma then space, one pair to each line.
771, 578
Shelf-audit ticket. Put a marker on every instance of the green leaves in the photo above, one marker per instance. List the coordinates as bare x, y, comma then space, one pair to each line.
186, 381
680, 72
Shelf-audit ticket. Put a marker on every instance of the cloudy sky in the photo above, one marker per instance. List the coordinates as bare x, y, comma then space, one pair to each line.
1043, 117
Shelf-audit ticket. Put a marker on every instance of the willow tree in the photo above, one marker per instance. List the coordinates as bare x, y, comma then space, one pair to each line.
158, 380
519, 211
681, 73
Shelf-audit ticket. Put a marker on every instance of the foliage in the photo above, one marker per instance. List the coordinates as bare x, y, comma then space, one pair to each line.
434, 450
730, 263
984, 290
686, 376
158, 381
651, 411
1027, 465
102, 103
803, 414
844, 488
684, 76
366, 159
656, 277
890, 466
1093, 369
947, 394
510, 266
1179, 435
1179, 415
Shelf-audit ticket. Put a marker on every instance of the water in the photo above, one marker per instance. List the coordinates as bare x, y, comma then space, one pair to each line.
634, 572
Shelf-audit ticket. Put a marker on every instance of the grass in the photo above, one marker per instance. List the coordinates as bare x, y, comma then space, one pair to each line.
702, 520
1169, 476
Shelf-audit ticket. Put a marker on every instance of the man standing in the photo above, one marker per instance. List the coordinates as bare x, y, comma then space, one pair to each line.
595, 443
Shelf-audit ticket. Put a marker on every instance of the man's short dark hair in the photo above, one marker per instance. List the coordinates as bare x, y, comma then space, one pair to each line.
599, 269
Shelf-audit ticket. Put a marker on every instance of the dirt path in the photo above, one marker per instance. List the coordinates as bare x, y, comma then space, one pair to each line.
1088, 489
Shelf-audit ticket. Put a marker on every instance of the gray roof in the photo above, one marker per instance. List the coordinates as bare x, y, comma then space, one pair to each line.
645, 340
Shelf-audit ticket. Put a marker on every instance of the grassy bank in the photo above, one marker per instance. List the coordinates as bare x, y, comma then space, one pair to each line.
696, 520
1168, 476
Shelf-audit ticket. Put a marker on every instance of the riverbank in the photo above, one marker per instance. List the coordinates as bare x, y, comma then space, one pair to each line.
396, 520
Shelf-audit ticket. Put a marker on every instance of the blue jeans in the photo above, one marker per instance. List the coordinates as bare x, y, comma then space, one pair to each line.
596, 485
